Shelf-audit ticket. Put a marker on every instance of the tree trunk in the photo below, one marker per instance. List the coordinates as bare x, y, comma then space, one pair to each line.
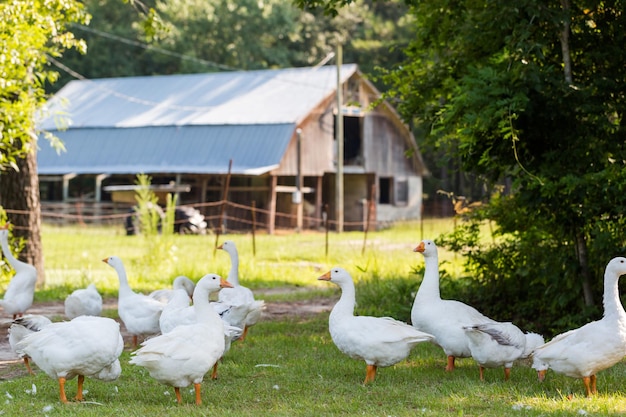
581, 249
19, 195
567, 59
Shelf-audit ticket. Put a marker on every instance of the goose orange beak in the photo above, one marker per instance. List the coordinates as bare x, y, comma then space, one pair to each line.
325, 277
5, 226
221, 246
420, 248
105, 260
225, 284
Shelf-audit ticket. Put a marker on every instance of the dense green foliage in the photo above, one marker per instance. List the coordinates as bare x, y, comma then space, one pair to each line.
31, 35
529, 95
528, 98
225, 35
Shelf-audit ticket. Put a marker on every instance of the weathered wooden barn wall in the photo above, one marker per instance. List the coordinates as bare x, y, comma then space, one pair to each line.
385, 148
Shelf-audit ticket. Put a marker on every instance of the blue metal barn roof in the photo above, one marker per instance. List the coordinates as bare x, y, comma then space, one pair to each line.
168, 149
192, 123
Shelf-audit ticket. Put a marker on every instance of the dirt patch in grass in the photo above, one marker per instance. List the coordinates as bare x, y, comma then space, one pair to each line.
10, 364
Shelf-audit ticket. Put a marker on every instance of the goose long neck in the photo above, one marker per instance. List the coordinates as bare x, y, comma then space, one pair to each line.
430, 284
233, 275
345, 305
204, 312
611, 301
121, 274
7, 252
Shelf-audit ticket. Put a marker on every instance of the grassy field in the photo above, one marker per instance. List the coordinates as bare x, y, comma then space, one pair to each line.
288, 367
292, 368
73, 257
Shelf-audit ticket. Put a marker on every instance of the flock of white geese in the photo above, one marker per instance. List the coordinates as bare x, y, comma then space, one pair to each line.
185, 334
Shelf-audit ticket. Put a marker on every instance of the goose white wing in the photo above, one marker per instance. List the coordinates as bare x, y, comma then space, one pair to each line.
140, 313
23, 326
83, 302
380, 341
86, 345
580, 352
495, 344
21, 291
182, 356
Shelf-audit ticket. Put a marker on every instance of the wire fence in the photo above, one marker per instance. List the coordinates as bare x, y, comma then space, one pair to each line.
220, 217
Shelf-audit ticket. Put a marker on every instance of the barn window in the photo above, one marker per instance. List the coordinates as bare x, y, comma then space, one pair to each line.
402, 192
385, 190
50, 189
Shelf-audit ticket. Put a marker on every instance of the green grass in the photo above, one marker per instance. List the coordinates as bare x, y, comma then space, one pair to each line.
288, 367
292, 368
73, 257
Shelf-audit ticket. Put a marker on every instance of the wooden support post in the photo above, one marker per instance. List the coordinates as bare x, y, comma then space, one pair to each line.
271, 222
253, 228
223, 207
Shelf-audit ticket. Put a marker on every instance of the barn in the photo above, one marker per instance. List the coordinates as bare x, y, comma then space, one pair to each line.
267, 138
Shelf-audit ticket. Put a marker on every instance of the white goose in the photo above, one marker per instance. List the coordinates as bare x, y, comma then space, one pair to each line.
85, 346
22, 327
181, 282
178, 312
444, 319
21, 289
139, 312
83, 302
598, 345
184, 355
379, 341
500, 344
247, 310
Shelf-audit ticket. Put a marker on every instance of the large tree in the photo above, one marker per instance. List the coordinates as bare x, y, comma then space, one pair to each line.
533, 92
32, 32
33, 35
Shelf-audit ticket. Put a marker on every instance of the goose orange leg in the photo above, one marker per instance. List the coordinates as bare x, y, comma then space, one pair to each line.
450, 364
79, 390
370, 374
27, 363
594, 388
198, 394
481, 372
244, 334
590, 385
507, 373
214, 373
178, 397
62, 390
